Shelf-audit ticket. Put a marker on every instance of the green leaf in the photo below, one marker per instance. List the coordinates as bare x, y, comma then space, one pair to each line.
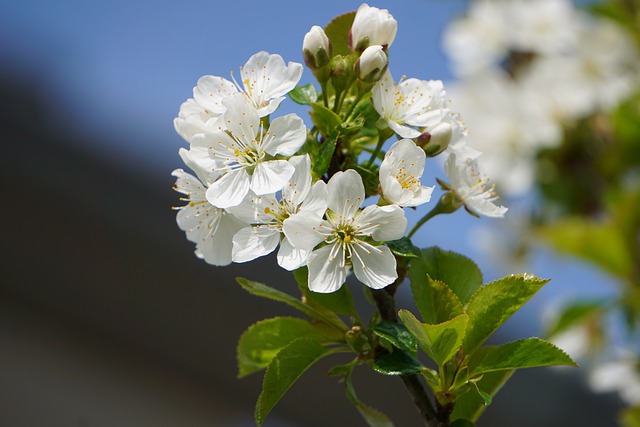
600, 243
460, 273
260, 343
441, 341
404, 247
285, 368
337, 30
396, 363
262, 290
575, 313
323, 157
436, 302
340, 301
325, 120
397, 334
526, 353
494, 303
630, 417
304, 95
470, 405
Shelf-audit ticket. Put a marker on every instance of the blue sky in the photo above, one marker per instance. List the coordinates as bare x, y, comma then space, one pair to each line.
117, 72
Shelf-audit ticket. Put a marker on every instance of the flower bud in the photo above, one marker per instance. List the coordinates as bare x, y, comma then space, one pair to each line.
372, 64
436, 140
372, 26
316, 48
341, 72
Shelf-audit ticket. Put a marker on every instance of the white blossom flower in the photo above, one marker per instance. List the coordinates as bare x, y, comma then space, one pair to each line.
410, 103
400, 174
472, 189
211, 228
245, 153
348, 235
267, 215
265, 81
372, 26
372, 64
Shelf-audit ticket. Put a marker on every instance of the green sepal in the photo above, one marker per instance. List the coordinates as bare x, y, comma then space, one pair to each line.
459, 273
260, 343
441, 341
397, 363
304, 95
494, 303
338, 30
525, 353
325, 120
285, 369
404, 247
398, 335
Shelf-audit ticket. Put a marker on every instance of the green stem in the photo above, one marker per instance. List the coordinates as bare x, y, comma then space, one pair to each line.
446, 204
385, 302
325, 97
375, 153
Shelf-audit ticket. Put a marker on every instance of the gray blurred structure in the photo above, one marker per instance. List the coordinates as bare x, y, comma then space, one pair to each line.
107, 318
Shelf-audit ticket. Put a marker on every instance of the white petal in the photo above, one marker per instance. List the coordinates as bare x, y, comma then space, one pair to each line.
285, 135
375, 267
271, 176
252, 208
241, 118
390, 220
346, 193
230, 189
326, 274
211, 91
316, 200
253, 242
299, 185
291, 258
216, 248
403, 130
302, 228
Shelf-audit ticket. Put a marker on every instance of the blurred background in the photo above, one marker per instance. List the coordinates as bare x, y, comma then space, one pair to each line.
106, 316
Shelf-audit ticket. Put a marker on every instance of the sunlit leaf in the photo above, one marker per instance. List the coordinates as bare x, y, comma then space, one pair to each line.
494, 303
440, 341
526, 353
457, 271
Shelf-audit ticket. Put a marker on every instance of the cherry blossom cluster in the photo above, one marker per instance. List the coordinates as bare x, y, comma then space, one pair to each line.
252, 189
528, 69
